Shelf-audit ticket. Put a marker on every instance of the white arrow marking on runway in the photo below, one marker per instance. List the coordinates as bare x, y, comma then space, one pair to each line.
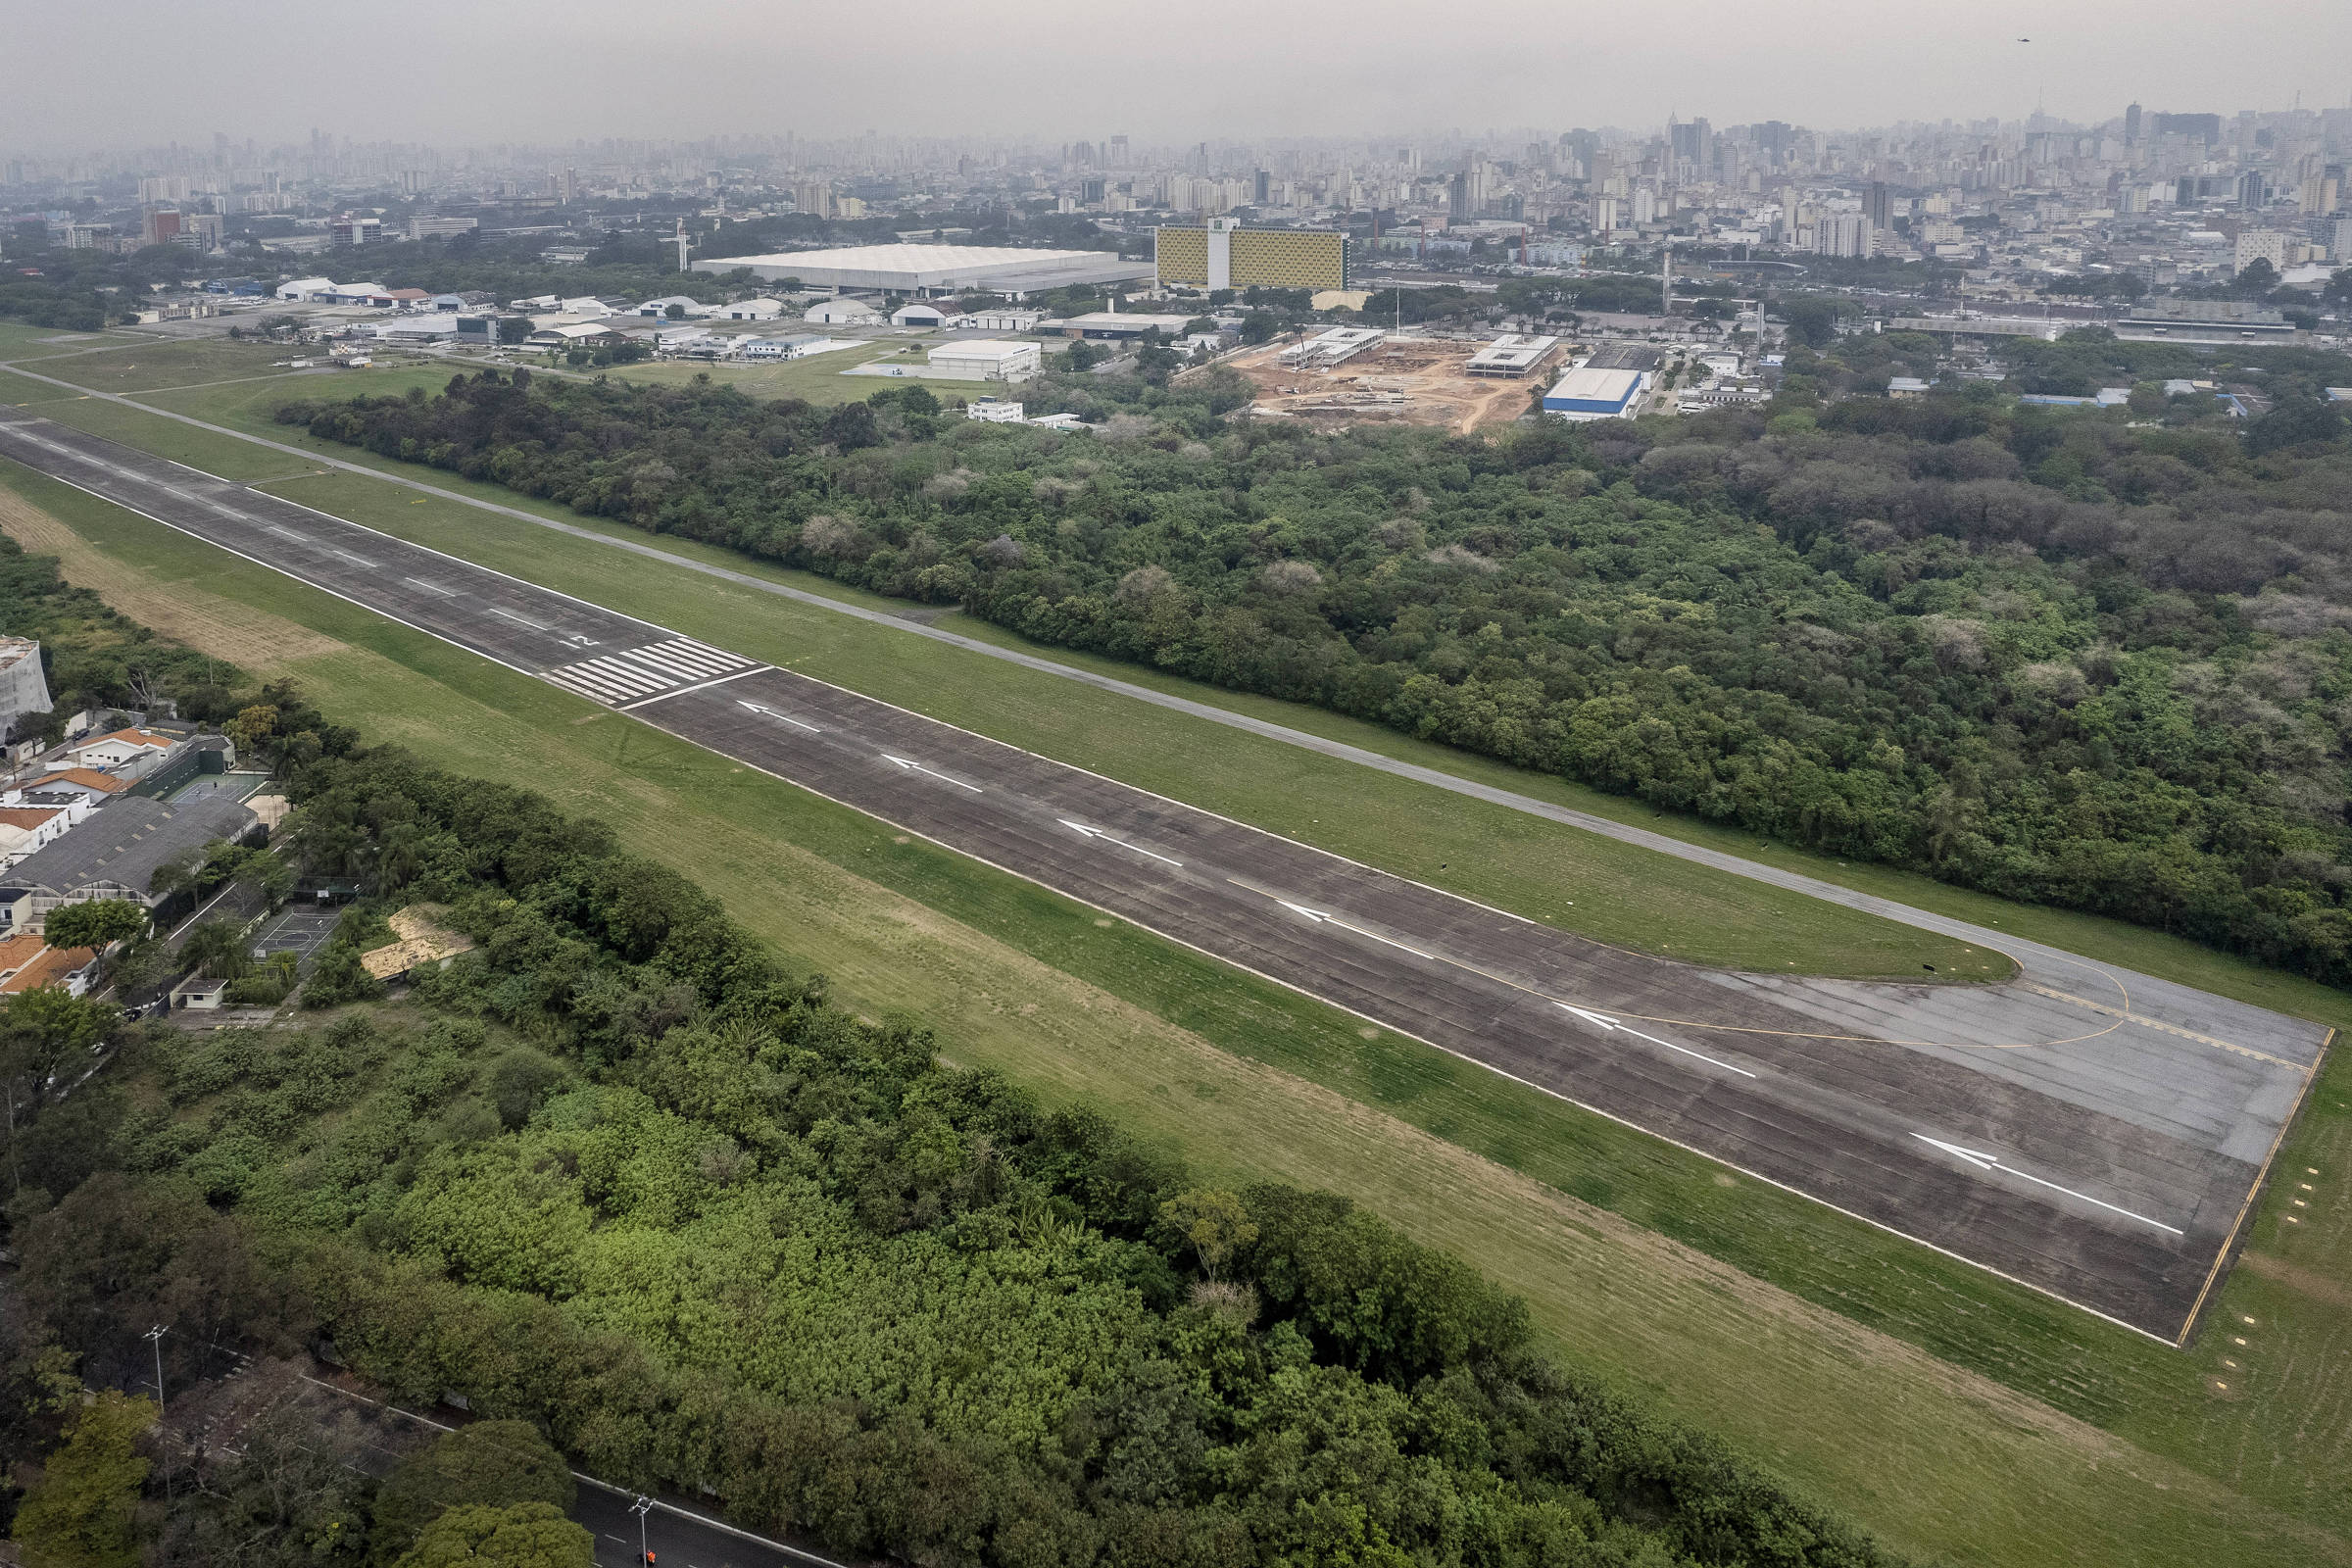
1984, 1161
1325, 917
914, 767
1097, 833
516, 620
772, 713
1609, 1025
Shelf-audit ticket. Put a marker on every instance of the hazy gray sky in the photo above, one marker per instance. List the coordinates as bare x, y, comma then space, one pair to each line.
451, 72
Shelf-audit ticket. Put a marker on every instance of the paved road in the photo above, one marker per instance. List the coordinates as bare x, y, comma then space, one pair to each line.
2096, 1134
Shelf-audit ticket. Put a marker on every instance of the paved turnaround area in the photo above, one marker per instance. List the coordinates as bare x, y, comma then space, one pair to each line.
2095, 1133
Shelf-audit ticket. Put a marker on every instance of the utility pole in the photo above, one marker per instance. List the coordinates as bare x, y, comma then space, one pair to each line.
641, 1507
155, 1337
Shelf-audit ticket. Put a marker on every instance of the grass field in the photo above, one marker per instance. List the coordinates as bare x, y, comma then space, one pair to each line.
139, 366
1944, 1462
816, 379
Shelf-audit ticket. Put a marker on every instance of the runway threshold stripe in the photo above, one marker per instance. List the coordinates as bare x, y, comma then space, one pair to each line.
590, 678
672, 666
626, 676
694, 656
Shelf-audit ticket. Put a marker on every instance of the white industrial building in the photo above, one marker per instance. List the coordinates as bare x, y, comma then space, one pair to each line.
923, 312
841, 312
987, 359
306, 288
1511, 355
1590, 394
759, 310
936, 269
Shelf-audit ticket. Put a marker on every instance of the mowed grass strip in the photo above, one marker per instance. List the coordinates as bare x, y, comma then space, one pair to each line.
1946, 1465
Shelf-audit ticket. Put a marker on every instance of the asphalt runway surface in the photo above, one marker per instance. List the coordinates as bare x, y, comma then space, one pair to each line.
2093, 1133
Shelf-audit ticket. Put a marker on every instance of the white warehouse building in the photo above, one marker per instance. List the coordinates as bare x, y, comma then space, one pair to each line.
936, 269
987, 359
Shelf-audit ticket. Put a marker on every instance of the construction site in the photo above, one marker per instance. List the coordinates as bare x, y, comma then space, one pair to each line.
1374, 377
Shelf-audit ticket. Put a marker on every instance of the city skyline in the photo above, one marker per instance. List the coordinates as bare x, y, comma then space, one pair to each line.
1047, 69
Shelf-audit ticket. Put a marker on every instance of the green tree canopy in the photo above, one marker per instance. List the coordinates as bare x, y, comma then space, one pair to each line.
95, 923
526, 1534
81, 1513
485, 1467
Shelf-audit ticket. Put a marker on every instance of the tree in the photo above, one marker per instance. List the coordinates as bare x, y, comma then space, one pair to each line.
851, 426
293, 1498
252, 726
528, 1535
95, 923
487, 1466
1812, 319
80, 1512
398, 856
2258, 278
41, 1031
675, 311
1213, 1223
217, 948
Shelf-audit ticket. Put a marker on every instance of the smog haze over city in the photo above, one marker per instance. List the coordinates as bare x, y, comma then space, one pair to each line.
452, 73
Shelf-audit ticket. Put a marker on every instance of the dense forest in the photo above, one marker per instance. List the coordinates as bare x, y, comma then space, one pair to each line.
617, 1175
2096, 658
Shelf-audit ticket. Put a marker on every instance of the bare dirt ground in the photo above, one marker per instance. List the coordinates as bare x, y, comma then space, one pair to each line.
1403, 380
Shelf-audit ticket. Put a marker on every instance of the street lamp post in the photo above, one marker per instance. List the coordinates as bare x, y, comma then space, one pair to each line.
641, 1507
155, 1337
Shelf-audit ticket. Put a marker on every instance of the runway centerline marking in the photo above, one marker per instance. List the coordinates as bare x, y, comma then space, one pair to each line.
508, 615
760, 707
1601, 1020
1984, 1161
910, 766
432, 587
1608, 1025
1097, 833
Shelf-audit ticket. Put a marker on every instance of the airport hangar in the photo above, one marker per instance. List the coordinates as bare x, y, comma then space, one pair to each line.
935, 269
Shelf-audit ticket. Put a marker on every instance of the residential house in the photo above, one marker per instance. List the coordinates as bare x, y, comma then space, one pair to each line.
27, 963
130, 754
26, 828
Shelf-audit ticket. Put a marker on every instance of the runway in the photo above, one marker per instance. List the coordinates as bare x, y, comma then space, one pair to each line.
2093, 1133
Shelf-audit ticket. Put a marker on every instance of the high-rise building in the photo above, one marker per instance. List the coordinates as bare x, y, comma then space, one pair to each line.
2131, 124
2260, 245
1848, 235
158, 225
1222, 254
1457, 197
